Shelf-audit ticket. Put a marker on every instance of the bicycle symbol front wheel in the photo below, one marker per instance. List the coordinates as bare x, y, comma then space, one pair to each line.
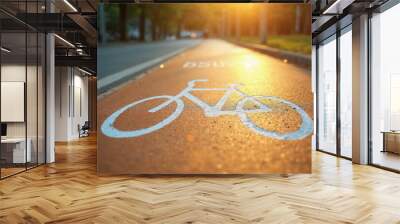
304, 130
110, 130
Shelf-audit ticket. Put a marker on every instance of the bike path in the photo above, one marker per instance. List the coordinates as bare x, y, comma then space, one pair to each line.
195, 143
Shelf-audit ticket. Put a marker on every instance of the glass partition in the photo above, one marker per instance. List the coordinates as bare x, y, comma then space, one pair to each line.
22, 88
327, 95
14, 153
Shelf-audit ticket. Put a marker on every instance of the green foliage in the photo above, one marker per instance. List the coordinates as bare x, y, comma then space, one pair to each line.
294, 43
217, 19
111, 12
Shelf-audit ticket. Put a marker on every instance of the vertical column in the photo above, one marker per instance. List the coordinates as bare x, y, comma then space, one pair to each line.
314, 91
338, 91
50, 92
63, 102
360, 90
92, 100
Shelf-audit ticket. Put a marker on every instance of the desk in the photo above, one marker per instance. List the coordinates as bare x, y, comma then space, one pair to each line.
15, 148
391, 141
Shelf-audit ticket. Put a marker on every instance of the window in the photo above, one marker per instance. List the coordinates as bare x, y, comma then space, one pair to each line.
346, 92
385, 89
327, 96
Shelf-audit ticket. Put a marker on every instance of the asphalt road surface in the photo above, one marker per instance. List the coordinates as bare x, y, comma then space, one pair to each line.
123, 56
164, 135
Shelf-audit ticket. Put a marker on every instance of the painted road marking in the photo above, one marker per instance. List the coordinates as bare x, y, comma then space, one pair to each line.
204, 64
305, 129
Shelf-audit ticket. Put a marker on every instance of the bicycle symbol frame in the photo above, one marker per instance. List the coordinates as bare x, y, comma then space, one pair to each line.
304, 130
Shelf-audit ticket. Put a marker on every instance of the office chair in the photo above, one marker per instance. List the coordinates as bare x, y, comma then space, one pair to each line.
84, 130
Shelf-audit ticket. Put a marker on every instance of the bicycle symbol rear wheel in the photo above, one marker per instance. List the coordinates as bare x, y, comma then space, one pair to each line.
109, 130
305, 129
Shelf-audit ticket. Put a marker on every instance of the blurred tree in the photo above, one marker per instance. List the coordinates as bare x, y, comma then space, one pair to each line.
123, 13
111, 13
142, 23
259, 21
263, 24
237, 21
298, 18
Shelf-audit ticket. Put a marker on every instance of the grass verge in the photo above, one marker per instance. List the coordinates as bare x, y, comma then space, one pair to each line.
294, 43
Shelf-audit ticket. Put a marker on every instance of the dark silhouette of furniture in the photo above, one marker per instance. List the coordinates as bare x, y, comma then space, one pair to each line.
84, 129
391, 141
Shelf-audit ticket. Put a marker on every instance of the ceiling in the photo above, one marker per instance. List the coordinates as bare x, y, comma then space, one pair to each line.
336, 14
74, 22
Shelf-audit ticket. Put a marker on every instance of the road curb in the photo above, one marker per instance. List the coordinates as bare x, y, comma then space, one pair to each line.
295, 58
131, 71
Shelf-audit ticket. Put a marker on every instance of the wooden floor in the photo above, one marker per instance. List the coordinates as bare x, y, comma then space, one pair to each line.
5, 172
69, 191
387, 159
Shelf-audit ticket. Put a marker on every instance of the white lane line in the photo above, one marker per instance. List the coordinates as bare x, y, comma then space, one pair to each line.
134, 69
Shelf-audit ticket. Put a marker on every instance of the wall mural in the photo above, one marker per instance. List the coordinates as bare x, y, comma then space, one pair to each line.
193, 96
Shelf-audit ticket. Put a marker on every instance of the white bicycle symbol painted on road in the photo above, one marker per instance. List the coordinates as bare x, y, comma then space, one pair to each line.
212, 111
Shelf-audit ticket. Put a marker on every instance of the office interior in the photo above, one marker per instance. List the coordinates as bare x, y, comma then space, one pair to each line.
51, 88
356, 82
48, 79
49, 72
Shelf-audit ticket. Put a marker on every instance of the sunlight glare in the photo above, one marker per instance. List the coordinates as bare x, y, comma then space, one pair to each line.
250, 62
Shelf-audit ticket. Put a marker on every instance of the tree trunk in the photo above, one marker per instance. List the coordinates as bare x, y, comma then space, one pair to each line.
179, 29
153, 31
142, 24
263, 25
298, 19
228, 25
224, 24
102, 24
237, 24
123, 12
